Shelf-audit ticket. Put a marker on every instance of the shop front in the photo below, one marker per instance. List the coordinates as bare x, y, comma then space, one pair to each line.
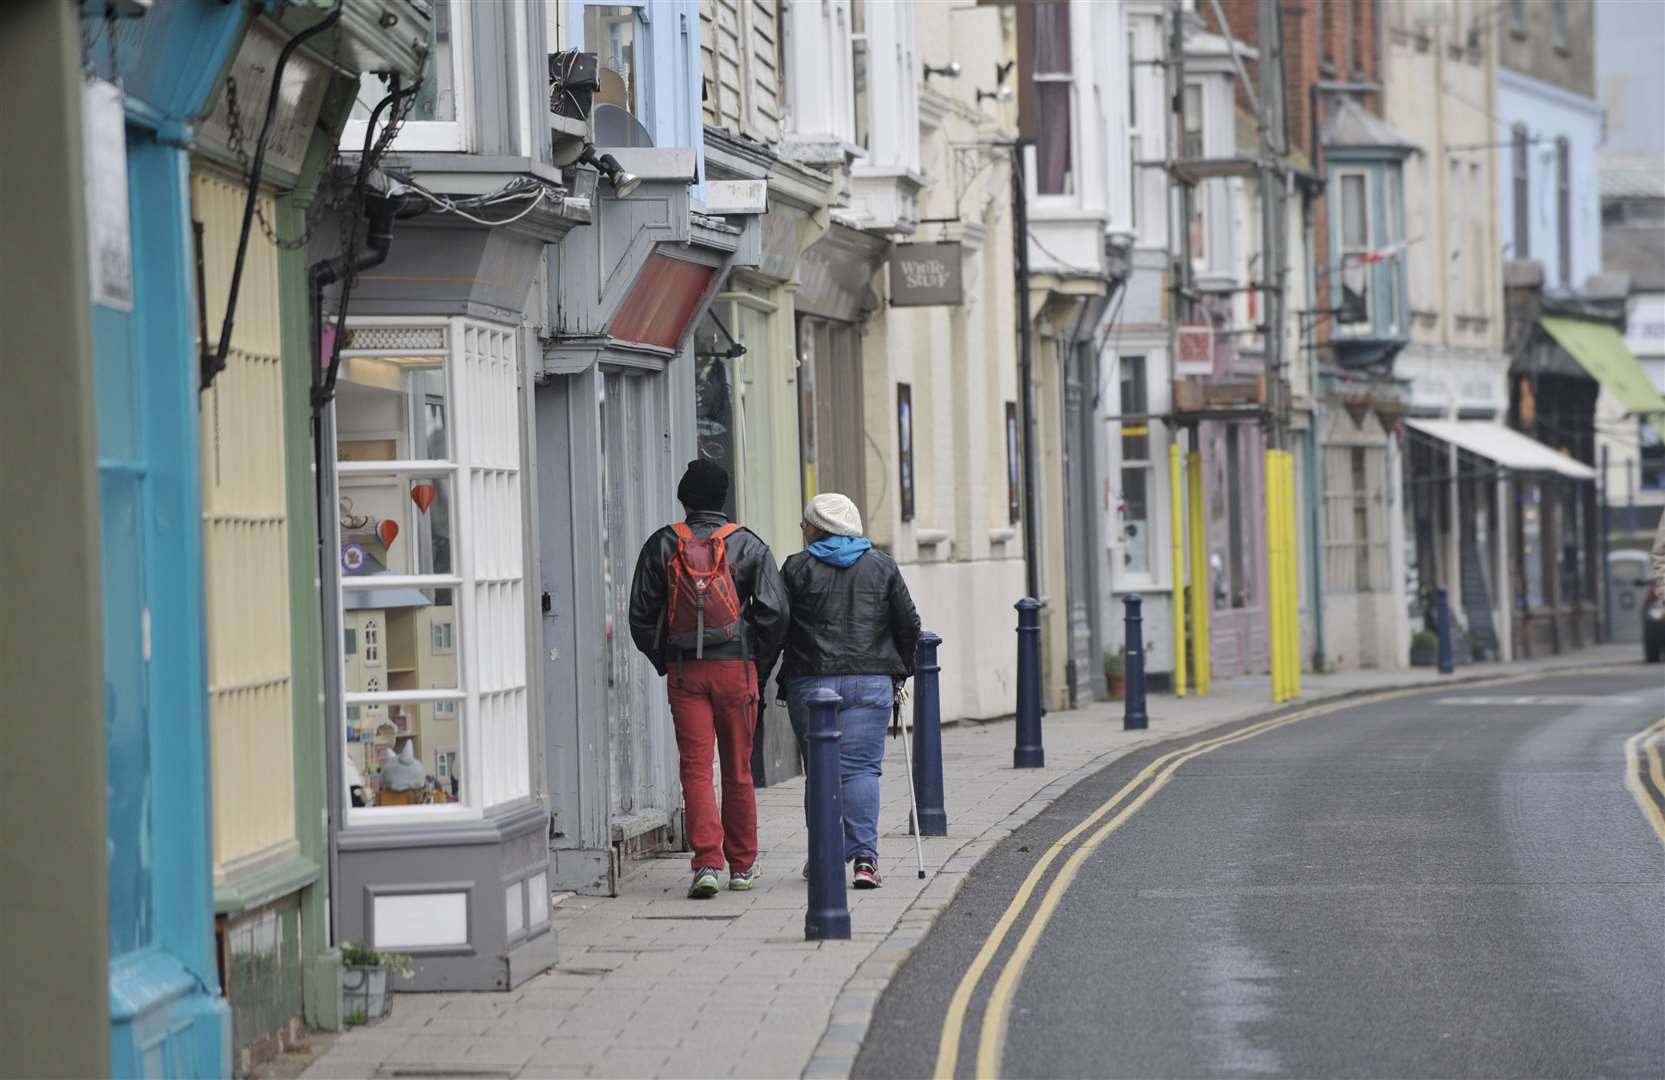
441, 847
153, 79
615, 405
264, 634
835, 298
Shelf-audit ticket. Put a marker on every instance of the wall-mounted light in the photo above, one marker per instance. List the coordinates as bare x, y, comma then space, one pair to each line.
950, 70
1004, 93
624, 182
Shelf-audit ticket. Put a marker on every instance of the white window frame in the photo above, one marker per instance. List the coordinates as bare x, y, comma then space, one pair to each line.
1076, 195
1201, 194
1155, 435
463, 581
819, 87
1367, 326
893, 77
434, 647
436, 135
1135, 137
370, 644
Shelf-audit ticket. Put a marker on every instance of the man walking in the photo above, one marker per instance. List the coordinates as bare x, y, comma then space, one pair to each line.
707, 607
854, 631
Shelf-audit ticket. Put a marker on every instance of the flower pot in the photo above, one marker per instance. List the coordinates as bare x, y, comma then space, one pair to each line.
1116, 682
365, 994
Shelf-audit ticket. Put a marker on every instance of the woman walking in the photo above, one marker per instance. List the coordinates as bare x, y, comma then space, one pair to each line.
853, 631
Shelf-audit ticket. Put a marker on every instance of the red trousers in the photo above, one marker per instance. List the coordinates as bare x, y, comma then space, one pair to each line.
715, 701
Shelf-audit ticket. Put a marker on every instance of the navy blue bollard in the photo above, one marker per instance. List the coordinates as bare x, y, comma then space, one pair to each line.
1442, 612
1134, 717
1029, 754
927, 738
828, 917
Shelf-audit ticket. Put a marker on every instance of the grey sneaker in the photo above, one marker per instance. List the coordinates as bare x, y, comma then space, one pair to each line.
705, 884
742, 880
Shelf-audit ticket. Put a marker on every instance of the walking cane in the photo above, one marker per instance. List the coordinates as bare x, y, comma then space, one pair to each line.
913, 801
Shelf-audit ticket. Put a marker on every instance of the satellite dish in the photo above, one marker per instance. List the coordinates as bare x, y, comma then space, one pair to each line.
614, 127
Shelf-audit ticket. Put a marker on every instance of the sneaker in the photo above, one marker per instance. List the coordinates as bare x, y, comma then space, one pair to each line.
742, 880
705, 884
867, 874
806, 869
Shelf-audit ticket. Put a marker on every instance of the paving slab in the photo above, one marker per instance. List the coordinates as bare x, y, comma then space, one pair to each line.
676, 988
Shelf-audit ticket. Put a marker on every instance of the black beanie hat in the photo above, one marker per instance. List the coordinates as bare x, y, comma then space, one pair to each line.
704, 486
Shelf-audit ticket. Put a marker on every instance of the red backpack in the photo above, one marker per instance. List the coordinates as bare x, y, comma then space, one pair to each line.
702, 606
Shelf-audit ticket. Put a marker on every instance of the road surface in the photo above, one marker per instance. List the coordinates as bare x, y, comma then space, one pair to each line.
1468, 881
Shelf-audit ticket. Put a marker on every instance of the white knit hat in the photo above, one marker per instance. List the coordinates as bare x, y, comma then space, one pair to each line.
834, 514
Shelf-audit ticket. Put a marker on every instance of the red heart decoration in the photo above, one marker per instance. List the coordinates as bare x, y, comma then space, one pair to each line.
388, 530
423, 495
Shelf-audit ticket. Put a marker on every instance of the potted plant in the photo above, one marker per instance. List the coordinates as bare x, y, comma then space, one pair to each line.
366, 991
1425, 648
1114, 679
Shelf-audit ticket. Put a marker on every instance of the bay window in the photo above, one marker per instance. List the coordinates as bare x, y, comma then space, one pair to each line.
1054, 99
1354, 301
1135, 466
610, 33
860, 62
436, 118
1368, 251
432, 582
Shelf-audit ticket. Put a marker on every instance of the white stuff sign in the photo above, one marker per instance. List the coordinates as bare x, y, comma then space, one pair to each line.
925, 275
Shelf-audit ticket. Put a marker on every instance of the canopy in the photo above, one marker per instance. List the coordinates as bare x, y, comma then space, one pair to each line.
1600, 350
1505, 446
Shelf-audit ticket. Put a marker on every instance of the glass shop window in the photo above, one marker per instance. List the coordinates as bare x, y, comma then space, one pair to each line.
401, 666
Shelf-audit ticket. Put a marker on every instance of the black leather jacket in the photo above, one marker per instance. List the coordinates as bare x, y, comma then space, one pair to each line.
851, 620
755, 577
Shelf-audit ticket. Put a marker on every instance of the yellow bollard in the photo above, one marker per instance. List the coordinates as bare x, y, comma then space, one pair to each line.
1274, 565
1200, 599
1294, 575
1176, 521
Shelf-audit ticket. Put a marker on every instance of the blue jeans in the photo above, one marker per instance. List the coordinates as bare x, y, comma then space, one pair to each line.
863, 716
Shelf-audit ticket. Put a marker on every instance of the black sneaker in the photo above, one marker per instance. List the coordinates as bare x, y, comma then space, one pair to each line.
867, 874
705, 884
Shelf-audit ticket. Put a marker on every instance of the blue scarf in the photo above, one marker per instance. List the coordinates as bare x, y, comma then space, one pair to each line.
840, 550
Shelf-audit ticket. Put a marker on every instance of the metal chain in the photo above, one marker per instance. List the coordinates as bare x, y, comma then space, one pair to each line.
237, 140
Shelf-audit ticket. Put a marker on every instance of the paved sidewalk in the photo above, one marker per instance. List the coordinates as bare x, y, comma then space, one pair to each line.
651, 984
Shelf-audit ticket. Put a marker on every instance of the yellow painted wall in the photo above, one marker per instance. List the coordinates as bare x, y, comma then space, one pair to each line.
245, 535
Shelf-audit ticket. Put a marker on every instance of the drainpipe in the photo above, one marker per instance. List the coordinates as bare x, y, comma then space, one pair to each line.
382, 211
1315, 480
1026, 368
321, 274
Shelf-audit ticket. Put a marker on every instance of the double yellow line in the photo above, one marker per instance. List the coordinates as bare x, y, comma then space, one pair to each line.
1644, 746
1151, 779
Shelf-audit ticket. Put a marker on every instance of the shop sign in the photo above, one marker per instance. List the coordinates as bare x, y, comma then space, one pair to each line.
299, 100
1194, 350
926, 275
1645, 325
109, 232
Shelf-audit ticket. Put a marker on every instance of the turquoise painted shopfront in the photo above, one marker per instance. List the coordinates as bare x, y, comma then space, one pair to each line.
166, 1012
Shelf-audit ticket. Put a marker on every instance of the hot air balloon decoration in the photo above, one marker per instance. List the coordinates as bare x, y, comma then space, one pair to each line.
365, 541
423, 495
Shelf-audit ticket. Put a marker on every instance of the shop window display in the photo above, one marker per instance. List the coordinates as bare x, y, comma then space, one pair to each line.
404, 730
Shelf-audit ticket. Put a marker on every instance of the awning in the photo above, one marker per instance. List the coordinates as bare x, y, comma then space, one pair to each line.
1600, 350
1507, 447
